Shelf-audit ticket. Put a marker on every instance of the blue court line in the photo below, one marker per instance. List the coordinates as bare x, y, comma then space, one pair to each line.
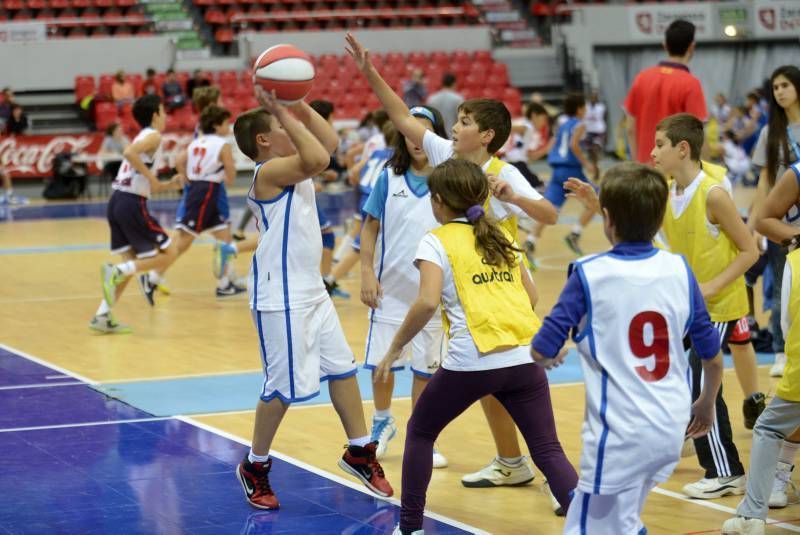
237, 392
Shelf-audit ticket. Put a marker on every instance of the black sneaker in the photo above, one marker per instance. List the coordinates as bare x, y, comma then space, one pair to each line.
239, 235
230, 290
147, 288
752, 408
572, 240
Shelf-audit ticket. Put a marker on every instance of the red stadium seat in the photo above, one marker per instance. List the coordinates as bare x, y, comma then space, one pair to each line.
104, 85
105, 113
84, 86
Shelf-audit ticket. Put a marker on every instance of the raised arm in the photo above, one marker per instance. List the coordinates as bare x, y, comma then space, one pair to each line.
317, 125
397, 110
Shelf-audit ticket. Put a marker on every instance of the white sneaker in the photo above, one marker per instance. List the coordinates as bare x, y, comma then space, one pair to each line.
398, 532
383, 430
707, 489
743, 526
557, 509
497, 474
779, 498
780, 364
439, 460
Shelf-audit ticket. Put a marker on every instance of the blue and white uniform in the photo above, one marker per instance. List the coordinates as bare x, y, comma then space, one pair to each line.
204, 205
564, 162
300, 337
132, 225
632, 308
402, 205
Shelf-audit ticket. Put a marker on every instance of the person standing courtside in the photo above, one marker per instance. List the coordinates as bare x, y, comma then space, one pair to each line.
663, 90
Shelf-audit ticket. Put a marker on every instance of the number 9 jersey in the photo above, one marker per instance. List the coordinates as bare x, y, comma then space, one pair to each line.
638, 399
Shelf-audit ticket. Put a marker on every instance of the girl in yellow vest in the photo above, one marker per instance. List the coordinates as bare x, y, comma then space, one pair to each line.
702, 224
471, 266
781, 417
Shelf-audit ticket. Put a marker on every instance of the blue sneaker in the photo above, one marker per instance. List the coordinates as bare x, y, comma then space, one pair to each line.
222, 254
383, 430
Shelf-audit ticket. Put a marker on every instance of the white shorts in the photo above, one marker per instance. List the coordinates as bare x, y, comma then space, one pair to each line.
424, 352
610, 514
299, 348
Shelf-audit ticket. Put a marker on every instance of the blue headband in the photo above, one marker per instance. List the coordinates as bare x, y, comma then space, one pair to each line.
423, 113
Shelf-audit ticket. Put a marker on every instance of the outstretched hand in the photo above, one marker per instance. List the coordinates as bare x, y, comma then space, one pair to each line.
357, 51
584, 192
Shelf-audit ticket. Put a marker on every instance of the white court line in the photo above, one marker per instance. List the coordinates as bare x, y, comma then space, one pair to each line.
85, 424
333, 477
52, 377
40, 385
185, 376
717, 507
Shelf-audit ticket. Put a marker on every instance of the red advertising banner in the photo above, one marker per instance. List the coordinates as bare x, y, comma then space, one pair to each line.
32, 156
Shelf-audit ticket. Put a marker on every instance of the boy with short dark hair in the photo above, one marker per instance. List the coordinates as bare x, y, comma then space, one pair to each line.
301, 339
703, 224
638, 405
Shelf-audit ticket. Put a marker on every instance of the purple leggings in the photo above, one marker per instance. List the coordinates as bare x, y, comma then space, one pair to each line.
523, 391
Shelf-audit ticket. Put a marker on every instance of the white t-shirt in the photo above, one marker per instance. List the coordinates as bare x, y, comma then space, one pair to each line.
462, 354
440, 150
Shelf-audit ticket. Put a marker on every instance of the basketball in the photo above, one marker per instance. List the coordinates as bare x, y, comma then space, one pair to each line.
285, 69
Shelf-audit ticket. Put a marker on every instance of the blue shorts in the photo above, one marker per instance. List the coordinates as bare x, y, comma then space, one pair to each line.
555, 188
133, 227
203, 207
324, 222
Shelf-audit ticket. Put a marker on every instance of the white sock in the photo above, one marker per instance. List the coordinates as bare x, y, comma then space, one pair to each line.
361, 441
788, 452
154, 277
382, 415
253, 458
223, 282
329, 278
235, 248
345, 245
510, 461
577, 229
127, 268
103, 308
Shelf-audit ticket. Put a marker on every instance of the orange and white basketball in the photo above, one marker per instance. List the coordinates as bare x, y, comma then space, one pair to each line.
285, 69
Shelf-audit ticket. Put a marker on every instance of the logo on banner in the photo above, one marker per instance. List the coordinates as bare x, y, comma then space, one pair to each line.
33, 155
767, 17
645, 22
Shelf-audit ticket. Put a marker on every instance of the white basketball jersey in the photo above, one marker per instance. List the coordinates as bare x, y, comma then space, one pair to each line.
129, 179
285, 273
636, 372
406, 219
203, 161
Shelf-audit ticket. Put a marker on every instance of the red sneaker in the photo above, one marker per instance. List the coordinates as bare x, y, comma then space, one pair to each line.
362, 463
254, 478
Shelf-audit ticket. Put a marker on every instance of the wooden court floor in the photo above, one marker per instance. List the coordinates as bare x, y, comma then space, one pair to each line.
50, 289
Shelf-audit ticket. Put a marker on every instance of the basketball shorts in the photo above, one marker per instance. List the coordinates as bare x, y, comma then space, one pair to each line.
424, 353
740, 332
133, 227
203, 207
299, 349
324, 222
612, 514
555, 192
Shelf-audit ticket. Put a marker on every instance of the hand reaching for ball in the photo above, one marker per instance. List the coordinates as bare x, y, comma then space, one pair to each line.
268, 100
357, 51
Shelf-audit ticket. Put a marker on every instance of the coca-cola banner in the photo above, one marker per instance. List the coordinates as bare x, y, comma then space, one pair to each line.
32, 156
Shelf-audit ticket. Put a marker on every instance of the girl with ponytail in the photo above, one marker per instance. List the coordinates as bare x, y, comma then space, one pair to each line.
473, 268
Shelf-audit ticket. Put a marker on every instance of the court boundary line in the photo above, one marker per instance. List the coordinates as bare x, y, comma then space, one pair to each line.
85, 424
723, 508
328, 475
39, 385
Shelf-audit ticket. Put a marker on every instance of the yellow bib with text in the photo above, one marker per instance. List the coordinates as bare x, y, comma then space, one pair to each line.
496, 305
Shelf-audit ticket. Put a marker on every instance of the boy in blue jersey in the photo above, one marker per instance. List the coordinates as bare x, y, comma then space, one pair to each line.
638, 402
567, 159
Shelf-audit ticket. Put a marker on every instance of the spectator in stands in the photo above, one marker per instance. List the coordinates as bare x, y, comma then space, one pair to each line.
447, 101
663, 90
721, 109
6, 100
18, 122
122, 90
414, 90
150, 86
172, 91
198, 80
114, 144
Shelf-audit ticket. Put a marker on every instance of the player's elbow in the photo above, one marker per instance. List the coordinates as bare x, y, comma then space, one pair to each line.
316, 164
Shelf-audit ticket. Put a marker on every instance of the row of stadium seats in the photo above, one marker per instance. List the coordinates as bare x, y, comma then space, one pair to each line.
35, 5
337, 80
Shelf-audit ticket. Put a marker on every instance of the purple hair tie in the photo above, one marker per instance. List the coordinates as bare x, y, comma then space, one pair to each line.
474, 213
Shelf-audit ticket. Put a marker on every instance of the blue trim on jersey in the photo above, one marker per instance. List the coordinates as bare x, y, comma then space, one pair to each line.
424, 375
640, 256
642, 531
369, 334
408, 183
284, 268
274, 199
255, 283
584, 512
276, 394
601, 448
263, 347
796, 168
587, 329
393, 368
